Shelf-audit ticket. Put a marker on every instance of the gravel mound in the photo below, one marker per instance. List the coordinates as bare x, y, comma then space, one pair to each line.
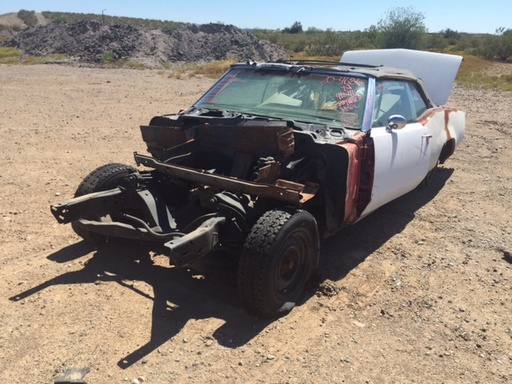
88, 41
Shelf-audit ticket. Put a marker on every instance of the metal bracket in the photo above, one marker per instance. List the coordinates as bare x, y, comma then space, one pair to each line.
196, 244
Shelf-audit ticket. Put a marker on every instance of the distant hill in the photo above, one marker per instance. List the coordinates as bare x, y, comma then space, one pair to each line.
91, 38
23, 19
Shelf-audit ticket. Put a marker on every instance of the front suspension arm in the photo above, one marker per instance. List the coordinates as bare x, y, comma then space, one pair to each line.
97, 203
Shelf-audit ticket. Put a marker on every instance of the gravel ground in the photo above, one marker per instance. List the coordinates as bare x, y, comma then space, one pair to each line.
418, 292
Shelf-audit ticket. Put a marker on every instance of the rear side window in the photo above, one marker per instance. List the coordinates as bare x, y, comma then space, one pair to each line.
418, 101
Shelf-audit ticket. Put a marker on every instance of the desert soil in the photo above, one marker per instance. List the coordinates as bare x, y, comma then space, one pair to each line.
418, 292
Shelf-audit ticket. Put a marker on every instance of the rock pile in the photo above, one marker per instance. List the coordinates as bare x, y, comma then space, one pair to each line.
88, 41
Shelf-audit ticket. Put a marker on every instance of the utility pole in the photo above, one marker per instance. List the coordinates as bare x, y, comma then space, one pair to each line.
103, 16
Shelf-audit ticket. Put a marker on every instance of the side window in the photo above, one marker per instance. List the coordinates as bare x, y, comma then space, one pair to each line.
418, 100
394, 97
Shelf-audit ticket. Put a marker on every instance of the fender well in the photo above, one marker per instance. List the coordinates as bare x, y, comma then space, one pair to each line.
349, 185
447, 150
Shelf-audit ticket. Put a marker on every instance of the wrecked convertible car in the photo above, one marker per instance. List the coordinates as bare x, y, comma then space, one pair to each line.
274, 157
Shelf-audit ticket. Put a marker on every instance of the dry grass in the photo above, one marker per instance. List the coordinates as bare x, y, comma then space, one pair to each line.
131, 64
15, 56
300, 56
10, 55
476, 72
187, 70
213, 69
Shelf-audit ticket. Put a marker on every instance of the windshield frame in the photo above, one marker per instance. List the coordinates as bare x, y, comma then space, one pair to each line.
261, 91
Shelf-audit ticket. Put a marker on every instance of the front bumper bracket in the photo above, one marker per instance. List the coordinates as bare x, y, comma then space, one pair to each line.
196, 244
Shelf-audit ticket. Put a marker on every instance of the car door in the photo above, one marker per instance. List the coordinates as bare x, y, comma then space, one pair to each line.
402, 156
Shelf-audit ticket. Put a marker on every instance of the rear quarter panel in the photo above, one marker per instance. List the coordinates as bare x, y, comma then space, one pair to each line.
444, 125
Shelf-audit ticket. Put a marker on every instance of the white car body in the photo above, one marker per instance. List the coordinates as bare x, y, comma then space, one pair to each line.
404, 157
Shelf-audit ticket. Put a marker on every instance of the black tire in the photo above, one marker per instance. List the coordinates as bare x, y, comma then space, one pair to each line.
278, 258
103, 178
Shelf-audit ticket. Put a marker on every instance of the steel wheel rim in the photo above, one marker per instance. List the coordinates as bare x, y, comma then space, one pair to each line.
291, 265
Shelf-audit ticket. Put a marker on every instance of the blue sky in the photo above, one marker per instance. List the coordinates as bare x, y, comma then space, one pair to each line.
460, 15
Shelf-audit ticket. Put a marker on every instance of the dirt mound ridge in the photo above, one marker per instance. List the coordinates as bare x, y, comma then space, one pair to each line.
89, 40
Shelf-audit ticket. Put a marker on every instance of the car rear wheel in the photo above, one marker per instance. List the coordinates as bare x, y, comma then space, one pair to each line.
278, 258
103, 178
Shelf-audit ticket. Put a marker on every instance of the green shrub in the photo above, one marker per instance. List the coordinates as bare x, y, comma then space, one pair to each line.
401, 28
28, 17
496, 47
108, 57
435, 42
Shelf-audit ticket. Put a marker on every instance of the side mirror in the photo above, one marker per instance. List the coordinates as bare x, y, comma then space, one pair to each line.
396, 122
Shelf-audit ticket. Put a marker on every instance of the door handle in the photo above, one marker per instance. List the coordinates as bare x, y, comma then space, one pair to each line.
427, 137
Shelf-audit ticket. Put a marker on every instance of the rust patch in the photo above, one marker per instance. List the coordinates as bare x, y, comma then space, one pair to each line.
282, 190
428, 115
360, 176
446, 123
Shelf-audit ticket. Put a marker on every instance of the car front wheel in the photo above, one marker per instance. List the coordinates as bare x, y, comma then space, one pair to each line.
278, 258
103, 178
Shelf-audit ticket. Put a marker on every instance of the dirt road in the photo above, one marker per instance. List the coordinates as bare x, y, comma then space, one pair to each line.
419, 292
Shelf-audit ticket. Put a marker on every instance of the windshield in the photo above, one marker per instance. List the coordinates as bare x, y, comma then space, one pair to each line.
336, 100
